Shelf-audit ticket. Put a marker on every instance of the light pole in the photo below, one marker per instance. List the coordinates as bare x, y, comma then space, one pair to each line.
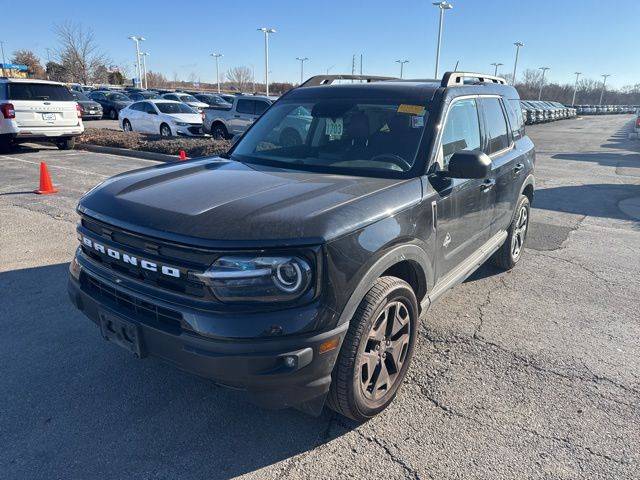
402, 62
144, 56
137, 39
495, 69
604, 82
544, 70
329, 68
302, 60
575, 88
3, 62
442, 6
515, 64
267, 31
217, 57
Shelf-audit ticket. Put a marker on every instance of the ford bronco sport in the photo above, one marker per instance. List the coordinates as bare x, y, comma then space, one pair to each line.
299, 272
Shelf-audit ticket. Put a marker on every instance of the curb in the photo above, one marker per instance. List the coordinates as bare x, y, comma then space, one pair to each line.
126, 152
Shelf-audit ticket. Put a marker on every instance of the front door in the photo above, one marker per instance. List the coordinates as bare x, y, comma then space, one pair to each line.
243, 116
463, 207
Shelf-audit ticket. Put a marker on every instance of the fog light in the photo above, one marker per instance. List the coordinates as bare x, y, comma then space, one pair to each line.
289, 362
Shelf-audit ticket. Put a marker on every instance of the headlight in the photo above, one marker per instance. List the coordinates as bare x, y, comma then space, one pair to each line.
181, 124
256, 278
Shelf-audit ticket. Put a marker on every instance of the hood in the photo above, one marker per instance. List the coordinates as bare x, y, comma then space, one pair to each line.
184, 117
222, 203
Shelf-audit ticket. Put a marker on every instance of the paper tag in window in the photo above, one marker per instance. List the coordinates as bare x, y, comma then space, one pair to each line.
411, 109
417, 121
333, 128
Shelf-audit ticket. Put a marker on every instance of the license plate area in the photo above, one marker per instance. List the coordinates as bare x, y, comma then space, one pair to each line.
49, 117
121, 332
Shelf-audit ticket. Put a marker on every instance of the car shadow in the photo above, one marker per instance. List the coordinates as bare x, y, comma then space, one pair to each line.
77, 406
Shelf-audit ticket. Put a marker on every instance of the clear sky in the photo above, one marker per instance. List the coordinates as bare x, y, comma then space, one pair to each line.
591, 36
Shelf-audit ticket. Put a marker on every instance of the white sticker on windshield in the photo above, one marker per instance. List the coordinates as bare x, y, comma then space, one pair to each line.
417, 121
333, 128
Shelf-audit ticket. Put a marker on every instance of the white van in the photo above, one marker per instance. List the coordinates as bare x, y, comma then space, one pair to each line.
37, 110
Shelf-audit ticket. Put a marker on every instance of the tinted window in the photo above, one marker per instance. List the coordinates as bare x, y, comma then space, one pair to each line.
166, 107
149, 108
39, 91
462, 130
515, 118
245, 106
81, 97
261, 107
118, 97
138, 107
497, 136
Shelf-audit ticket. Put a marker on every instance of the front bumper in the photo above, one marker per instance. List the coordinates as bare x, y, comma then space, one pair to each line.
262, 367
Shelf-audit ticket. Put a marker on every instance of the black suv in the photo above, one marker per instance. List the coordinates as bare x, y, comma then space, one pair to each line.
298, 271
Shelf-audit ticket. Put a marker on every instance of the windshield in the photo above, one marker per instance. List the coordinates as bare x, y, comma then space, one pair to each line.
167, 107
39, 91
188, 98
363, 137
118, 97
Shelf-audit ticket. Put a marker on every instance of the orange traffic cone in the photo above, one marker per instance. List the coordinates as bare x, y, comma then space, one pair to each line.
46, 186
182, 156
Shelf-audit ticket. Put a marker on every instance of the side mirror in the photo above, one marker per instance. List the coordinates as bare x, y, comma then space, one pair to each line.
469, 164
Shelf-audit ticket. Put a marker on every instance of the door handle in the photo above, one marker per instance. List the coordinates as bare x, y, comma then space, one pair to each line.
236, 116
487, 185
518, 168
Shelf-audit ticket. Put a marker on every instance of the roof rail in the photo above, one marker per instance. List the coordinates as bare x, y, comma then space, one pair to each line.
451, 79
329, 79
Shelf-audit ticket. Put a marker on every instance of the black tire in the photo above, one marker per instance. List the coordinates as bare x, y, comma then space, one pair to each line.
5, 143
126, 126
165, 130
219, 131
113, 114
66, 143
290, 138
350, 393
506, 257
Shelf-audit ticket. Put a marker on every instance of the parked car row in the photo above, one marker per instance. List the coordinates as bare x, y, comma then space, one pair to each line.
539, 111
604, 109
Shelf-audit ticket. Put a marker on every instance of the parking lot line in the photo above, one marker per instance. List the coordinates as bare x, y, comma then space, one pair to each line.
56, 166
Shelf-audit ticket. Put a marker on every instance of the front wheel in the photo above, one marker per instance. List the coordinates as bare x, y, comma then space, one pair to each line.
511, 250
376, 351
165, 131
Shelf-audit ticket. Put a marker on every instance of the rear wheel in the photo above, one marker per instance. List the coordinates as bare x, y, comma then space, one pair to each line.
113, 114
219, 131
376, 351
5, 143
165, 130
126, 126
66, 143
511, 250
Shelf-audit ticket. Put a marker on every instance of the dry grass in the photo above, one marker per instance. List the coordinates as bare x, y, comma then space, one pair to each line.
194, 147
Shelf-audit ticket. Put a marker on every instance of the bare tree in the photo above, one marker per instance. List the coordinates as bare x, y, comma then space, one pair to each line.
239, 77
157, 80
30, 59
79, 53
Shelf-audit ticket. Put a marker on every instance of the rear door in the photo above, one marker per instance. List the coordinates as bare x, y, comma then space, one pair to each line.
501, 149
464, 207
42, 105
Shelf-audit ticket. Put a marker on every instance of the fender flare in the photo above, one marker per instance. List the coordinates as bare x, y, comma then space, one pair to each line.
396, 255
530, 180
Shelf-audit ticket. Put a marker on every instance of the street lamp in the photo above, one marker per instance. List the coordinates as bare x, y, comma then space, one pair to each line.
544, 70
144, 56
495, 70
267, 31
402, 62
137, 39
302, 60
217, 57
575, 88
604, 82
329, 69
442, 6
515, 64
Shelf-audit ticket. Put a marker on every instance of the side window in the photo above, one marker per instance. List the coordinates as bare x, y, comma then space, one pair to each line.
462, 130
514, 112
261, 107
245, 106
149, 108
496, 124
135, 106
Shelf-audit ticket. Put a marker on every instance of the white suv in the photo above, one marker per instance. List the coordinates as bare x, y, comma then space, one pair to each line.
36, 110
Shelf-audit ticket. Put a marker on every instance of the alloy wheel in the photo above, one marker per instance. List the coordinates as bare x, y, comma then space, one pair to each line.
519, 232
385, 351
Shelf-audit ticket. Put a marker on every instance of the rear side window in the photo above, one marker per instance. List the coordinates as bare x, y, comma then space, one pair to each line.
261, 107
462, 130
39, 91
138, 107
514, 112
496, 125
246, 106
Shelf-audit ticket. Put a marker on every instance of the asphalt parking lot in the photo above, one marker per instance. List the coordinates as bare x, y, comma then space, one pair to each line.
532, 373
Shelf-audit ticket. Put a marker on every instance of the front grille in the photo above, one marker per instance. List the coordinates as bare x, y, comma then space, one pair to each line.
165, 318
196, 130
